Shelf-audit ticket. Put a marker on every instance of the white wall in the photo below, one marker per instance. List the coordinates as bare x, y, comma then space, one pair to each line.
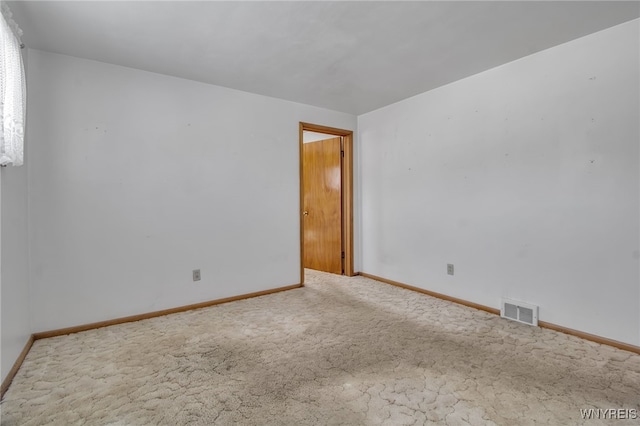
15, 325
525, 177
14, 281
137, 178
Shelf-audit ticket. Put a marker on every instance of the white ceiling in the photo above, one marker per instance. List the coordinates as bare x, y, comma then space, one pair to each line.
347, 56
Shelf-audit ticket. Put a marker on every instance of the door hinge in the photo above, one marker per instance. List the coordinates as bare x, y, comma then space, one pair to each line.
343, 255
342, 153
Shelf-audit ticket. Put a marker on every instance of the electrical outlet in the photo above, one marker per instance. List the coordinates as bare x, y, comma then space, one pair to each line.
450, 268
196, 274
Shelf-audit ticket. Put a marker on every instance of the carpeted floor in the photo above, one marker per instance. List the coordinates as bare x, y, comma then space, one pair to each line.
342, 351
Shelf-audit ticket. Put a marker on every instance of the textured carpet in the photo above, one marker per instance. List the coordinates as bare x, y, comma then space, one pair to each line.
338, 351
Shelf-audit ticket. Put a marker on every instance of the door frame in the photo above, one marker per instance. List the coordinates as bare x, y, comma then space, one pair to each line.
346, 170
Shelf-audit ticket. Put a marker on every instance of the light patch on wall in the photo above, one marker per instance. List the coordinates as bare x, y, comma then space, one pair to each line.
308, 136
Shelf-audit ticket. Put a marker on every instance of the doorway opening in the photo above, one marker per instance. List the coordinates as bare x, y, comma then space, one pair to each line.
326, 199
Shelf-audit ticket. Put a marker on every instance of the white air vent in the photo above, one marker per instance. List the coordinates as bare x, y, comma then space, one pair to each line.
519, 311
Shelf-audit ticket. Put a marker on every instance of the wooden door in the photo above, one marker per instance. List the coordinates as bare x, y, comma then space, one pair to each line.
322, 205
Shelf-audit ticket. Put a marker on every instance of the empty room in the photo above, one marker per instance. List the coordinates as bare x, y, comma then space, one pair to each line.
309, 213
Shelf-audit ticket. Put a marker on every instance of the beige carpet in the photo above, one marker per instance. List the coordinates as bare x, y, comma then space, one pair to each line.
343, 351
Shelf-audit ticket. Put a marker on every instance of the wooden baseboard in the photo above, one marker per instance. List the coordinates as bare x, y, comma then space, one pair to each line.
92, 326
16, 366
434, 294
590, 337
542, 324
